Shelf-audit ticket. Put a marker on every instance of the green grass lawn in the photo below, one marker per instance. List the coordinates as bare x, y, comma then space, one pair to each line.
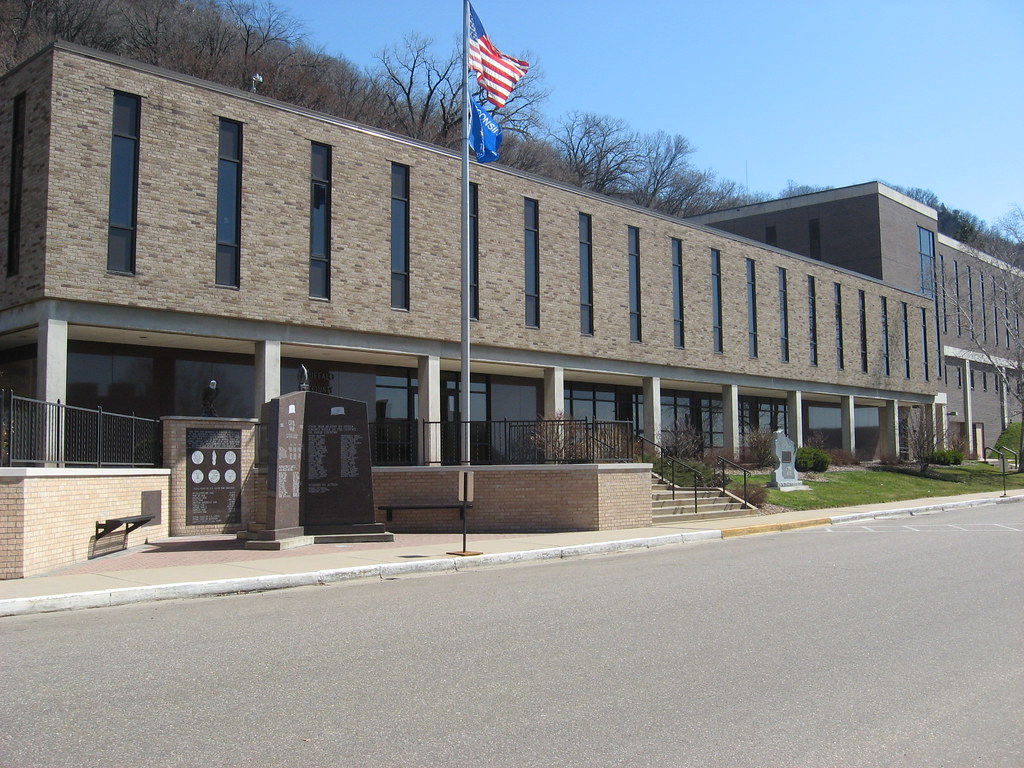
871, 486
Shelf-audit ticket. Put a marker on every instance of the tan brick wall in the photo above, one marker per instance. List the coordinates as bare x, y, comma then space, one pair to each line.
584, 497
176, 230
33, 79
176, 459
51, 515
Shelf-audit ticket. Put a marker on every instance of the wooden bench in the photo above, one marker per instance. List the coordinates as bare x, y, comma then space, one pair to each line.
462, 506
112, 524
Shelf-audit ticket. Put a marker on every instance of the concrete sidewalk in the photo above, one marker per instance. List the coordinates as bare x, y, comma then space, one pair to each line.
193, 567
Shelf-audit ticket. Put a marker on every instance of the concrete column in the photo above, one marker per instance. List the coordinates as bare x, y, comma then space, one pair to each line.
652, 409
268, 373
847, 410
428, 372
795, 417
731, 419
972, 449
889, 428
554, 392
941, 423
52, 361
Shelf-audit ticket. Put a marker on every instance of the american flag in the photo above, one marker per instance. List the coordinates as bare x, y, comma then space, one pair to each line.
497, 73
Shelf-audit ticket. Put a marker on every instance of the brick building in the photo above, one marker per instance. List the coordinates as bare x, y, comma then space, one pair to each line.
877, 231
161, 231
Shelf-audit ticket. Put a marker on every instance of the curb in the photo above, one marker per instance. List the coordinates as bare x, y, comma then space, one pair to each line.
24, 606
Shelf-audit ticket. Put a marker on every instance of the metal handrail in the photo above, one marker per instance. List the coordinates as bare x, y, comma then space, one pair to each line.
722, 461
673, 463
998, 450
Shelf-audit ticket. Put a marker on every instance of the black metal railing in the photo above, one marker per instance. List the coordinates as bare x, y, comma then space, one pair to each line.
35, 432
545, 441
670, 469
721, 463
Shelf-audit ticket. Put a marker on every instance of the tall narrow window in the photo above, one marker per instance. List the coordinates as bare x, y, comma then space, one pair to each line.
716, 301
814, 238
229, 203
635, 327
926, 252
886, 360
124, 175
956, 293
770, 235
945, 308
970, 303
862, 310
906, 341
586, 275
531, 253
924, 341
320, 221
840, 351
984, 308
16, 186
399, 236
474, 252
783, 315
677, 293
751, 308
812, 319
995, 316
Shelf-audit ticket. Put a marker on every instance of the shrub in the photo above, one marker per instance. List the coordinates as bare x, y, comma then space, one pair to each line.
810, 459
841, 458
757, 494
946, 458
760, 447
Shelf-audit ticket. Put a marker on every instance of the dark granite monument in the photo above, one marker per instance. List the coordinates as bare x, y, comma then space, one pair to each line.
319, 477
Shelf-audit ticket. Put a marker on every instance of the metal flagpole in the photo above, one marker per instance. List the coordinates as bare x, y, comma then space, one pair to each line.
464, 413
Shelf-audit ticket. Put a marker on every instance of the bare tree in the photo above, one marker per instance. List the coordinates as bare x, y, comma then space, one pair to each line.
599, 152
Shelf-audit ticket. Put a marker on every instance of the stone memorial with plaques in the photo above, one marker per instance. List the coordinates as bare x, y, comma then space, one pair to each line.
319, 477
785, 476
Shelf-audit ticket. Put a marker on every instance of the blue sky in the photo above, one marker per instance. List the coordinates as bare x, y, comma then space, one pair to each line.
822, 92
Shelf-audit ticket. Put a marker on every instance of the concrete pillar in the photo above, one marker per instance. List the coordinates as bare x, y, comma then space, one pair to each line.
795, 417
731, 419
972, 449
848, 413
428, 372
52, 361
652, 409
941, 424
889, 429
554, 392
268, 374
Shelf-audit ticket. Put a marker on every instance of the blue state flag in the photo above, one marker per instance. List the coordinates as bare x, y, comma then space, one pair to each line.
484, 135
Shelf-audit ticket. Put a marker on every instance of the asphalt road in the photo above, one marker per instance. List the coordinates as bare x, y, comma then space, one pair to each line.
891, 644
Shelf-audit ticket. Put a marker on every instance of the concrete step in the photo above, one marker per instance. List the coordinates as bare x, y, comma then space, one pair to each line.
682, 517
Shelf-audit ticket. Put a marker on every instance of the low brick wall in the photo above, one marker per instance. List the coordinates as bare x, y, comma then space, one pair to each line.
575, 497
48, 516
